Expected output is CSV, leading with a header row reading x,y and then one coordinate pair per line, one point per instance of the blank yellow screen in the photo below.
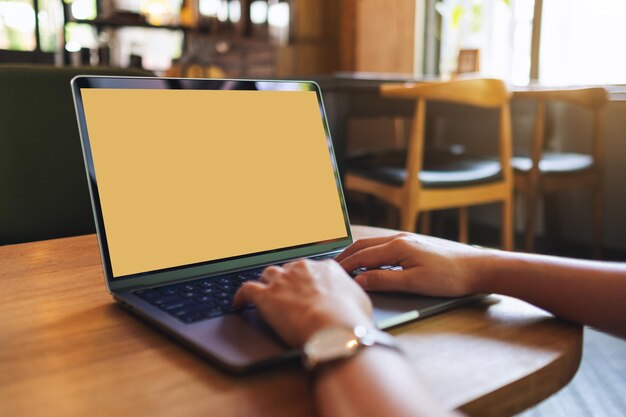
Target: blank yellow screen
x,y
188,176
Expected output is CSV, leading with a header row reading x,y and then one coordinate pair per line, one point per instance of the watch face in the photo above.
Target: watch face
x,y
330,344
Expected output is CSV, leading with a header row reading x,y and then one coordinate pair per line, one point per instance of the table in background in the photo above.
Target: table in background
x,y
356,95
66,349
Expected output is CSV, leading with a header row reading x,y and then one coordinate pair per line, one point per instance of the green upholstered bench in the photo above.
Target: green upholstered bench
x,y
43,186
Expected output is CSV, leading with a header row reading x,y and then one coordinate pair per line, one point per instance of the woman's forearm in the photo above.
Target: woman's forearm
x,y
587,292
376,382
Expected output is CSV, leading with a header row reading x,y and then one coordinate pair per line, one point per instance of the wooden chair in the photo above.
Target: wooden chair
x,y
414,183
545,172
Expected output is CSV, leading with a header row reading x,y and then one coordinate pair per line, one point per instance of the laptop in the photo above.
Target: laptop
x,y
197,185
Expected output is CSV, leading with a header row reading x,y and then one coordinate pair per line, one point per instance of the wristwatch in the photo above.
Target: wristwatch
x,y
341,342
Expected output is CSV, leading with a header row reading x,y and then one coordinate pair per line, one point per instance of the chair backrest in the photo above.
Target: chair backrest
x,y
43,186
477,92
593,99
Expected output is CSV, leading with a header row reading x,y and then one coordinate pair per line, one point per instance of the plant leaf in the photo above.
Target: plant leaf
x,y
457,14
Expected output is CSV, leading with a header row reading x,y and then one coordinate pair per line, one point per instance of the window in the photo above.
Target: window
x,y
37,25
17,25
500,29
582,42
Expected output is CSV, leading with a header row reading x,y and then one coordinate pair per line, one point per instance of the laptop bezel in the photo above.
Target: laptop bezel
x,y
208,268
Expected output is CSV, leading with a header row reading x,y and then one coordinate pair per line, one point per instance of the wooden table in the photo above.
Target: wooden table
x,y
66,349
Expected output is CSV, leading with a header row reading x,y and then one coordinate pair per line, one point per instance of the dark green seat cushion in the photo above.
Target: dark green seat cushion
x,y
441,169
43,186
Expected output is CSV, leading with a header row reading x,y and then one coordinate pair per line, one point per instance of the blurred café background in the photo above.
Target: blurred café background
x,y
523,42
562,62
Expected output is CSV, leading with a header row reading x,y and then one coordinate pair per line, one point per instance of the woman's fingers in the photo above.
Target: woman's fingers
x,y
270,273
365,243
387,280
372,257
249,292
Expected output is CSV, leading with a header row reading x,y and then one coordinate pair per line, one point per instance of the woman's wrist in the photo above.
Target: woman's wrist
x,y
317,320
339,343
485,268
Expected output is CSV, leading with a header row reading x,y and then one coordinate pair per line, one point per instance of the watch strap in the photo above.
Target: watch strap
x,y
363,337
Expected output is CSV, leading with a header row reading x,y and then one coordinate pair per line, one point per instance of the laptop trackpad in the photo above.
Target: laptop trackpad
x,y
240,340
393,309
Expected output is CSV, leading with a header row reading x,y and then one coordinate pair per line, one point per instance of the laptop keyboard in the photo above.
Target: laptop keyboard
x,y
204,298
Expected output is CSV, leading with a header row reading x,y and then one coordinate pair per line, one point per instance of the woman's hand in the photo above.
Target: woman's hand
x,y
304,296
431,266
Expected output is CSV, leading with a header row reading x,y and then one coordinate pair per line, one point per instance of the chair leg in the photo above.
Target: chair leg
x,y
507,224
531,208
598,221
371,209
552,229
463,225
425,223
408,220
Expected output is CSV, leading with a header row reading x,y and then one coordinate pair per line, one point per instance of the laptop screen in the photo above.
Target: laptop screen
x,y
192,176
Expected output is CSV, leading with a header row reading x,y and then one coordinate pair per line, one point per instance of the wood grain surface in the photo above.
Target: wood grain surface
x,y
66,349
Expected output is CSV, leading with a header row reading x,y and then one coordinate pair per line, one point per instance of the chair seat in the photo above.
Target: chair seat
x,y
441,169
555,163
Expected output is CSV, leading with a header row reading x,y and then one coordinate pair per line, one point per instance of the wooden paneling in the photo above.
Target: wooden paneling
x,y
385,36
347,36
313,39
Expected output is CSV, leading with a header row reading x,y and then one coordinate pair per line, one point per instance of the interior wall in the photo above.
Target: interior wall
x,y
313,47
353,35
576,204
347,35
385,36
